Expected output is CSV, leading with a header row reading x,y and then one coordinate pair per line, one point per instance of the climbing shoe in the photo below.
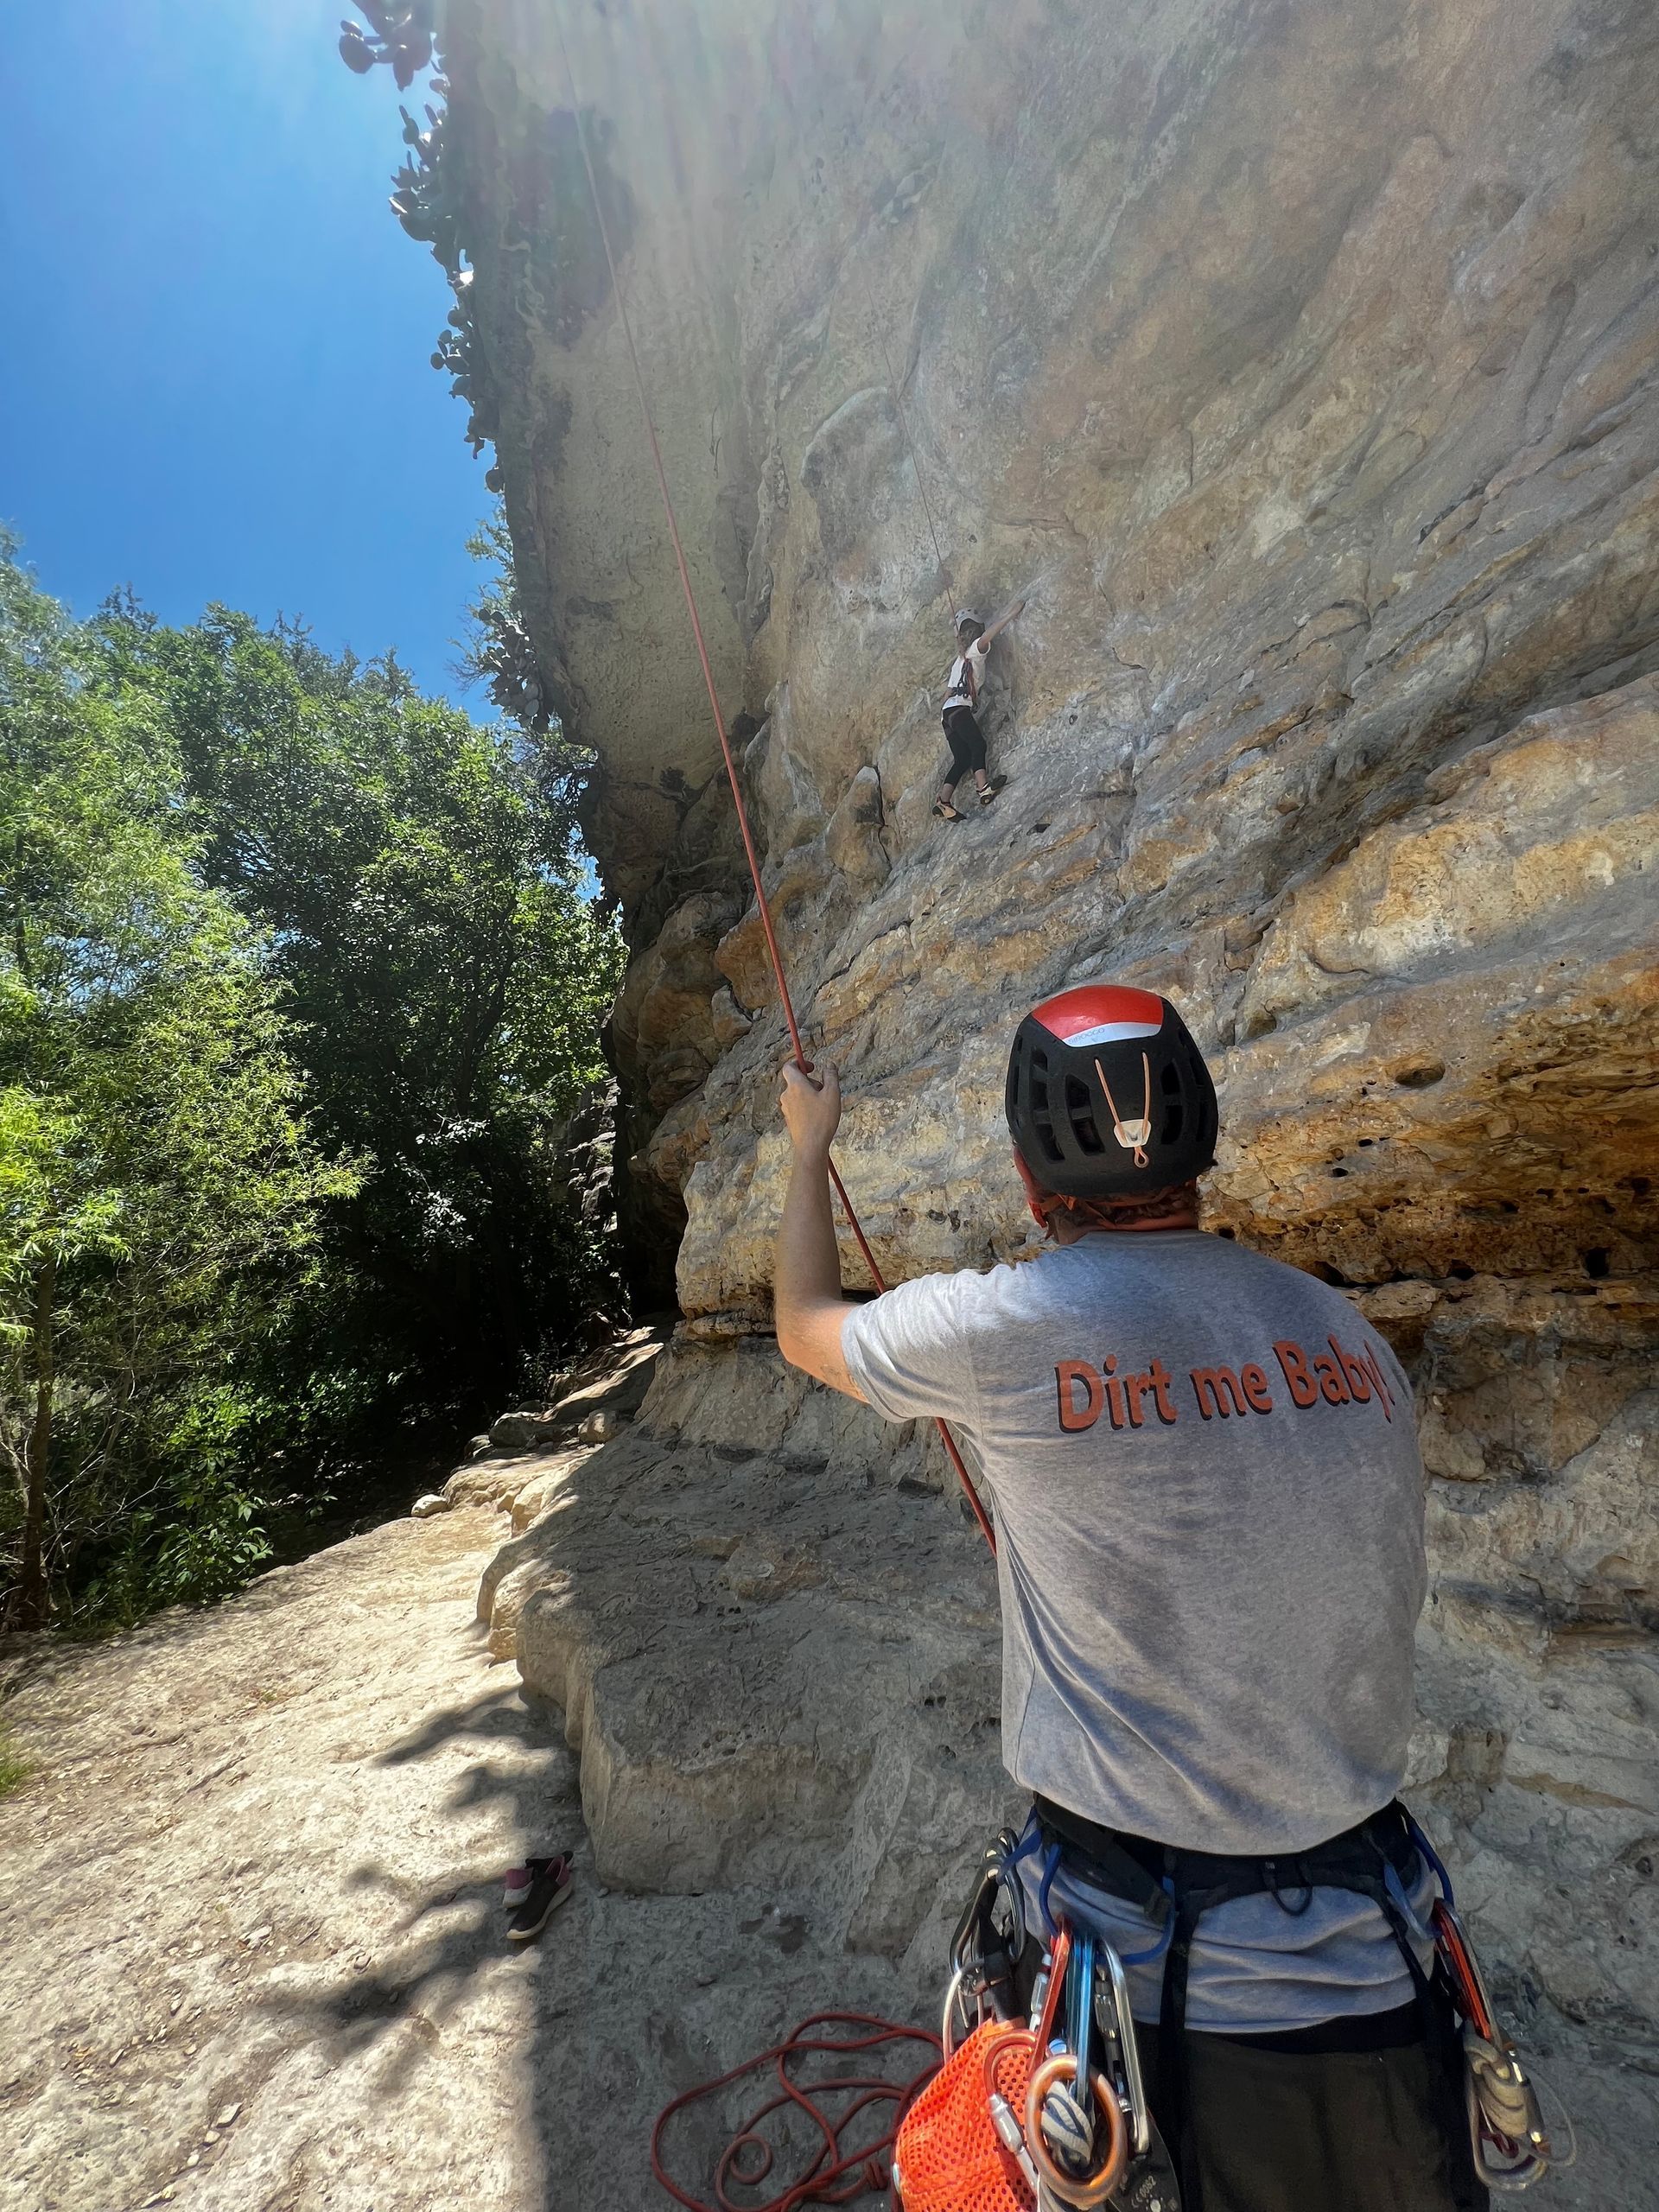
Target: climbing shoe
x,y
991,790
945,811
549,1885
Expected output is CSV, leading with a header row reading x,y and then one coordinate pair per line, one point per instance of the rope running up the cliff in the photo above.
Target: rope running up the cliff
x,y
776,957
915,458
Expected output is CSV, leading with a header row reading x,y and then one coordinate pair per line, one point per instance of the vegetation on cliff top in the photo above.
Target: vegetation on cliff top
x,y
297,988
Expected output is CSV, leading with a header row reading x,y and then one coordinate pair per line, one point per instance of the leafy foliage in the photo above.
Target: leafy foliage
x,y
498,650
297,987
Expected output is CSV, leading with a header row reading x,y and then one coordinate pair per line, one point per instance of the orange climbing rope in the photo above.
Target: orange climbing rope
x,y
776,957
844,2167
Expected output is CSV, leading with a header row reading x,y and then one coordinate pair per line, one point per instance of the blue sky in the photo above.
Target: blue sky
x,y
214,384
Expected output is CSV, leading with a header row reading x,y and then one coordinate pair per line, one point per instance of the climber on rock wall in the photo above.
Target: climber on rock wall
x,y
962,730
1209,1507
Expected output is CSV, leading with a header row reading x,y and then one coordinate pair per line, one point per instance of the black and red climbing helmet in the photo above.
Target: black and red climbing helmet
x,y
1109,1095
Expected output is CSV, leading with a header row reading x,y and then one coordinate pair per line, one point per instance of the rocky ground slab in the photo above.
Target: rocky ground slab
x,y
252,1949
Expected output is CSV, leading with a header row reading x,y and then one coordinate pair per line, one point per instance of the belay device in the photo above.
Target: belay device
x,y
1046,2111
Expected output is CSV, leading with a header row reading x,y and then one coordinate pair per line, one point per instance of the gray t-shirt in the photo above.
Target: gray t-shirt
x,y
1208,1506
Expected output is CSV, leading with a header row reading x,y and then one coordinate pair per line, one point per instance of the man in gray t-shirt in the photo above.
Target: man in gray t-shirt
x,y
1208,1503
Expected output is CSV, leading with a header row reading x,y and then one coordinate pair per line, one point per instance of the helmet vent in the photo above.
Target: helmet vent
x,y
1080,1113
1042,1115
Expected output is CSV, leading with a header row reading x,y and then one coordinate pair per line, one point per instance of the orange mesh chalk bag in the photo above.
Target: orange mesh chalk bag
x,y
952,2154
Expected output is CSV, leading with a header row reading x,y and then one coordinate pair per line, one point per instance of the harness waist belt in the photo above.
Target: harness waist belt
x,y
1135,1868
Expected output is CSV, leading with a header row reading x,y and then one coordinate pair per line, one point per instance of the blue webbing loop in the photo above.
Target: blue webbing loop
x,y
1145,1958
1051,1926
1428,1852
1396,1890
1030,1836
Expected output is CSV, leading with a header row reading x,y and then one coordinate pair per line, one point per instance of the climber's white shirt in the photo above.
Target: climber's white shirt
x,y
956,694
1209,1509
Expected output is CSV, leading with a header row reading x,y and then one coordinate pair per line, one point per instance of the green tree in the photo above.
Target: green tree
x,y
419,877
159,1192
299,988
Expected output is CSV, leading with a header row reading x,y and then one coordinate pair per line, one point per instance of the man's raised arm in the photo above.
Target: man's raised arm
x,y
808,1303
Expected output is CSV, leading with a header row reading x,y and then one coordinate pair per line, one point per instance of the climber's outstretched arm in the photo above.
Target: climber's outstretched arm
x,y
1003,621
808,1303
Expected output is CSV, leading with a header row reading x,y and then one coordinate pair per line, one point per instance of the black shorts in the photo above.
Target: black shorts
x,y
1290,2130
1345,2115
966,740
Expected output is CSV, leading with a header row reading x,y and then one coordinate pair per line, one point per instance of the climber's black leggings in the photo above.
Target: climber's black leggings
x,y
967,743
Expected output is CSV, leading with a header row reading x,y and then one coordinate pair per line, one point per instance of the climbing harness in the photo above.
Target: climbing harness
x,y
1481,2080
963,686
801,1061
844,2166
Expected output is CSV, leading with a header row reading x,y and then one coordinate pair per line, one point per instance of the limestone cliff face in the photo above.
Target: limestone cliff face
x,y
1300,365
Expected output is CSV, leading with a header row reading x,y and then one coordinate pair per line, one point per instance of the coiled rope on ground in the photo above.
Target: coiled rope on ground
x,y
843,2169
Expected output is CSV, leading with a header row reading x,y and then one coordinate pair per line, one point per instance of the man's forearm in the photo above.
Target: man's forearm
x,y
807,1265
807,1306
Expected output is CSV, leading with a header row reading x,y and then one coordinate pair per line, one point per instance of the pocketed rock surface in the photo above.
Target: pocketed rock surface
x,y
1300,366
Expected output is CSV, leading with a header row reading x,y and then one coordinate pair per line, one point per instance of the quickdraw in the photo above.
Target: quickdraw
x,y
1512,2144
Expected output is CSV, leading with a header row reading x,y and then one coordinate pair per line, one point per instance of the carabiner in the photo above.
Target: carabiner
x,y
1507,2132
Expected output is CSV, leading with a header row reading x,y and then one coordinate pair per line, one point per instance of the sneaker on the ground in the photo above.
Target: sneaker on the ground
x,y
549,1887
519,1878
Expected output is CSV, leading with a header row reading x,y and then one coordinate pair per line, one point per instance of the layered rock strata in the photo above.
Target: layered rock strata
x,y
1300,367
